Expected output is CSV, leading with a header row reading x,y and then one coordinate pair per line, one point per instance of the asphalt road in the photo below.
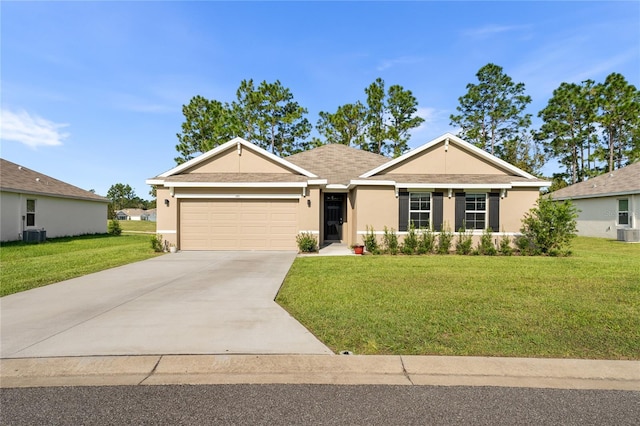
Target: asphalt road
x,y
316,404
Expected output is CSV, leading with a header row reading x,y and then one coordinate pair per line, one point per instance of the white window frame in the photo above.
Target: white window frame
x,y
622,211
30,213
475,212
420,211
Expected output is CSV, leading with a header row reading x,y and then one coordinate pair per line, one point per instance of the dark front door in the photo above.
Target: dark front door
x,y
333,216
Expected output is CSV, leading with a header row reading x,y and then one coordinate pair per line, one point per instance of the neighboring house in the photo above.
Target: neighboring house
x,y
32,201
136,214
240,197
609,204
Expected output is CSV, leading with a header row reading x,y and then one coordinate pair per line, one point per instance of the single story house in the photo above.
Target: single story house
x,y
31,201
136,214
609,204
240,197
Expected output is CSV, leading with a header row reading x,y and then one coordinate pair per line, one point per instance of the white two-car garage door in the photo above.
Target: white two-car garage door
x,y
231,224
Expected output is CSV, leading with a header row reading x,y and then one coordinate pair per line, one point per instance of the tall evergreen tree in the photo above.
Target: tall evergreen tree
x,y
346,126
492,117
207,124
568,128
402,107
619,117
376,129
267,116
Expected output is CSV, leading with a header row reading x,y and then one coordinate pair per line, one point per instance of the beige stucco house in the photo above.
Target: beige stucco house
x,y
609,204
241,197
32,201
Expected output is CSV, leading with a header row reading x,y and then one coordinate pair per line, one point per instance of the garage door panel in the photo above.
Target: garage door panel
x,y
238,224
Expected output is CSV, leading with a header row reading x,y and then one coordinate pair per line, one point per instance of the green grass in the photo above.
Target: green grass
x,y
583,306
136,226
26,266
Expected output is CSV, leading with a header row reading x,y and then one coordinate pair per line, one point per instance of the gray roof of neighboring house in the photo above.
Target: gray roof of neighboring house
x,y
137,212
337,163
19,179
625,180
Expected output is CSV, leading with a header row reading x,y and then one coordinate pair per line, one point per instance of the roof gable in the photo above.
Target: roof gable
x,y
625,180
16,178
489,164
228,158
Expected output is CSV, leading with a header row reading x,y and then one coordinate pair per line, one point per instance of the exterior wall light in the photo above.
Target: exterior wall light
x,y
166,202
308,203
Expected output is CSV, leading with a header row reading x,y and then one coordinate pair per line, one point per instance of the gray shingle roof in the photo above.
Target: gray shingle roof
x,y
625,180
337,163
16,178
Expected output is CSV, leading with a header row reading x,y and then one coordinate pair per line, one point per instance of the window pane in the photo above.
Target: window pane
x,y
623,218
31,219
623,205
31,206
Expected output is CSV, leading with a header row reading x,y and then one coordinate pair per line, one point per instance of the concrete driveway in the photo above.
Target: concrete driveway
x,y
183,303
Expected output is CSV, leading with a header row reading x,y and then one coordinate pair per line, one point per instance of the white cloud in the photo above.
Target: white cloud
x,y
404,60
489,30
31,130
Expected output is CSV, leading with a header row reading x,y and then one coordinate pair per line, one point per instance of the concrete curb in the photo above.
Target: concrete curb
x,y
319,369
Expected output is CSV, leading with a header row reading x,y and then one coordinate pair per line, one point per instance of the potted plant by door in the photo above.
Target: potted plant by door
x,y
358,249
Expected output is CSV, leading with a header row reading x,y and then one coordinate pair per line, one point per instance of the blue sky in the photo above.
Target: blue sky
x,y
92,92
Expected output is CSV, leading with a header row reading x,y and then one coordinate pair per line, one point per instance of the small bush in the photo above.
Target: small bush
x,y
371,241
307,242
464,242
113,227
505,246
390,241
426,241
410,243
486,246
445,238
156,243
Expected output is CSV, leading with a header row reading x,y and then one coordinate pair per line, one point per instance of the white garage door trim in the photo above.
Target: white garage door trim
x,y
238,224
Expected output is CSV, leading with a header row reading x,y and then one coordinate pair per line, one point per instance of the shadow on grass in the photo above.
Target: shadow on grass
x,y
59,240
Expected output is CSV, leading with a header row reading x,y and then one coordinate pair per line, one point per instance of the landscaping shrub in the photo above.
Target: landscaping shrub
x,y
464,242
156,243
504,247
390,241
371,241
445,238
307,242
113,227
410,243
486,246
549,227
426,242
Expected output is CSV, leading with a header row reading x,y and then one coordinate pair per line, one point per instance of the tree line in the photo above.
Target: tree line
x,y
589,127
122,196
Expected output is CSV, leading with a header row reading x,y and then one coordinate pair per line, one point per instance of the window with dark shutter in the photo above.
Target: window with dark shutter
x,y
494,211
403,211
460,209
437,213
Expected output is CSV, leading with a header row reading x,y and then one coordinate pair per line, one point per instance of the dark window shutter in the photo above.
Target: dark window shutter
x,y
436,211
403,211
460,208
494,211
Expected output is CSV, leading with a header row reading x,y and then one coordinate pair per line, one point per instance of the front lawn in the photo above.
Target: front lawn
x,y
583,306
26,266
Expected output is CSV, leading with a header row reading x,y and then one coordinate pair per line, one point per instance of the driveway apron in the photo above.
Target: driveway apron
x,y
183,303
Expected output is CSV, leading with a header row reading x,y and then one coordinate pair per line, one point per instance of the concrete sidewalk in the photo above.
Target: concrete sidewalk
x,y
320,369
